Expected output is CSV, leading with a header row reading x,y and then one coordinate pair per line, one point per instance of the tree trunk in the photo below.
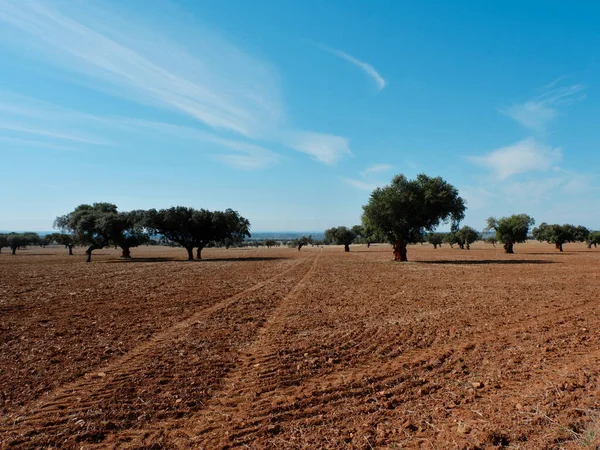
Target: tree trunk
x,y
462,246
468,246
559,246
368,244
199,252
13,250
70,247
346,247
126,252
400,251
435,245
508,247
190,251
300,246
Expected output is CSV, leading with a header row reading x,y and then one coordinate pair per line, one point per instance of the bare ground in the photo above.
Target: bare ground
x,y
275,348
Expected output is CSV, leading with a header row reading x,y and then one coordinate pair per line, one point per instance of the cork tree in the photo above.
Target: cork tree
x,y
407,209
435,239
510,230
91,225
341,236
560,234
466,236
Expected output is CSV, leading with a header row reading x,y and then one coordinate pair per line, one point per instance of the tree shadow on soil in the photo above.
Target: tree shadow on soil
x,y
488,261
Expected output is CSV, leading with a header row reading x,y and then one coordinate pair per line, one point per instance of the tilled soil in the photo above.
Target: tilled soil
x,y
275,348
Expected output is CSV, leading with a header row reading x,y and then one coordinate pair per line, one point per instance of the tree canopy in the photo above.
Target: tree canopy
x,y
435,239
593,239
68,240
193,228
342,236
511,230
466,236
406,209
560,234
18,240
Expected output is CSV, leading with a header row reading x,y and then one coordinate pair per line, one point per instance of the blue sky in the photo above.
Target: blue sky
x,y
293,112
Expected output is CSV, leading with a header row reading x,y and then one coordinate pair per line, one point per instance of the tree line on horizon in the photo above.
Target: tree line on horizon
x,y
404,212
101,225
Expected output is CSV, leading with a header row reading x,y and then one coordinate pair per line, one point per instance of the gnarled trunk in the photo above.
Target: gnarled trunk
x,y
559,246
468,246
508,247
346,247
13,250
190,251
400,251
89,251
199,252
435,245
300,246
70,247
126,252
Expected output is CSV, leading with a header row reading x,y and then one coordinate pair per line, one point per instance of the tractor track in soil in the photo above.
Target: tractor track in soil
x,y
351,351
254,358
67,402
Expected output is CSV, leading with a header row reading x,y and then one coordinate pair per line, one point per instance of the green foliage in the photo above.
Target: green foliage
x,y
96,226
18,240
560,234
193,228
342,236
68,240
511,230
593,239
405,210
435,239
466,236
490,240
304,240
271,243
451,239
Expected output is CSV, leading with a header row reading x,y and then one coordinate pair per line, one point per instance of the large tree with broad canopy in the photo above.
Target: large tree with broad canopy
x,y
406,209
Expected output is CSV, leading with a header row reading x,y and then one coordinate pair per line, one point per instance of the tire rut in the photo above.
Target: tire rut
x,y
257,373
48,415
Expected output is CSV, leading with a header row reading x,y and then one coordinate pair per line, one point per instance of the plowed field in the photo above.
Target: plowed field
x,y
275,348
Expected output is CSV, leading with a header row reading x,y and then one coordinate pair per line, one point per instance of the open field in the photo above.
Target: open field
x,y
275,348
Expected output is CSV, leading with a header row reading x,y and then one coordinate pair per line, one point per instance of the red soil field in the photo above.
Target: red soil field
x,y
275,348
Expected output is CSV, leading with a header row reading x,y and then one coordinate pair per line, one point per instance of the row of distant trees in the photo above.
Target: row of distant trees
x,y
101,225
507,230
409,211
405,212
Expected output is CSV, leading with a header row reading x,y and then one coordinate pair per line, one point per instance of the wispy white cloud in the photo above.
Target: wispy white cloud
x,y
245,156
365,67
325,148
538,112
360,184
375,168
524,156
211,81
